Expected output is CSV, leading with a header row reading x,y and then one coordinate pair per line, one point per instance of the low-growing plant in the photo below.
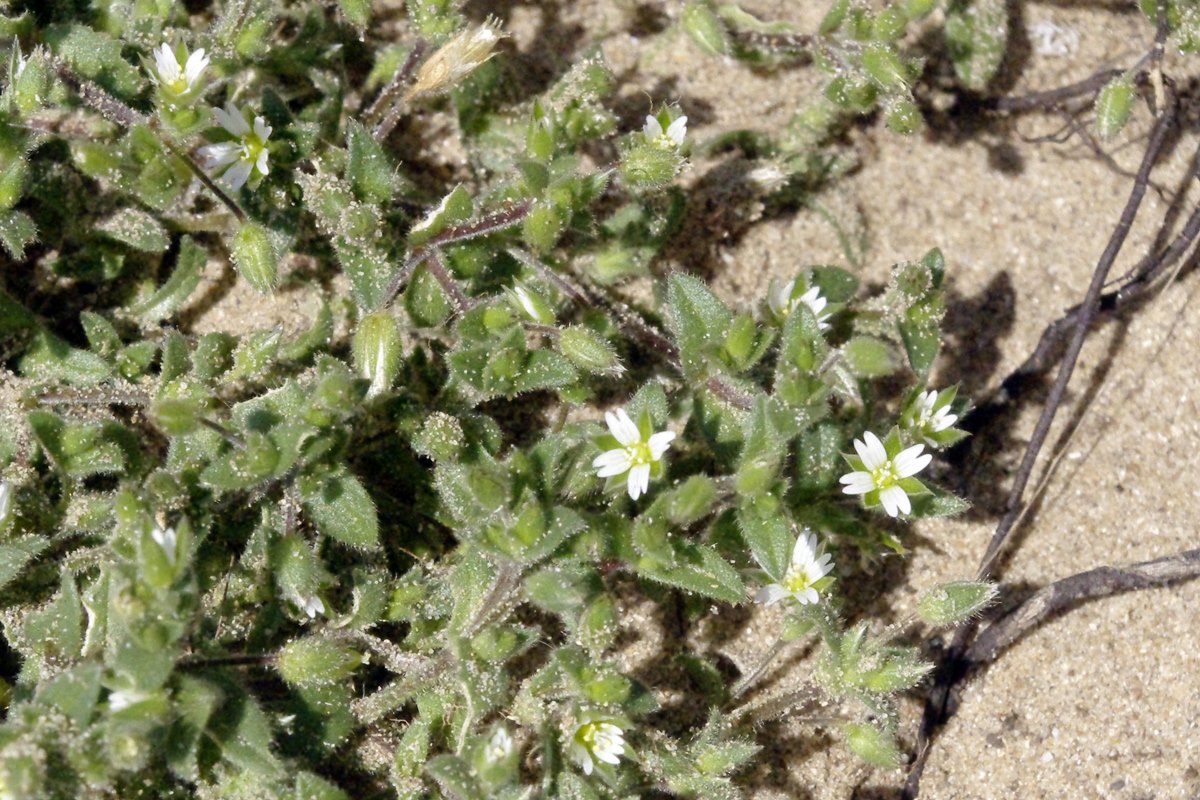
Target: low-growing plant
x,y
388,553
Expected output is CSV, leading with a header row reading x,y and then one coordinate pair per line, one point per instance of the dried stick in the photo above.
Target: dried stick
x,y
1090,308
953,666
1095,583
391,97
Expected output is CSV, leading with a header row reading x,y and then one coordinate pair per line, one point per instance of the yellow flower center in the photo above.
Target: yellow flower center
x,y
639,453
252,147
796,581
884,476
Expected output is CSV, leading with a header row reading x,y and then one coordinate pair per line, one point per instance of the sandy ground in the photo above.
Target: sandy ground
x,y
1101,702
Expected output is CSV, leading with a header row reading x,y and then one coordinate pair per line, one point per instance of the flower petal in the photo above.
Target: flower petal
x,y
218,155
622,427
805,549
677,130
236,176
871,451
639,480
910,462
895,501
659,442
612,462
857,482
653,128
231,120
261,129
770,594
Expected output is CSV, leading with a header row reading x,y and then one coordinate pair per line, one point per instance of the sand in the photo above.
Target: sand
x,y
1100,702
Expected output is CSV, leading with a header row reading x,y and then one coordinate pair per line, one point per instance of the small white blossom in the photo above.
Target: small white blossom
x,y
809,564
166,540
881,475
926,420
636,455
235,162
499,747
6,494
782,303
178,82
671,138
312,606
596,739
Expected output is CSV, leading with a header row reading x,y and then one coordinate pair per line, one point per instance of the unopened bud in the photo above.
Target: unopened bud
x,y
955,602
1113,106
588,350
316,660
377,351
254,257
705,28
531,305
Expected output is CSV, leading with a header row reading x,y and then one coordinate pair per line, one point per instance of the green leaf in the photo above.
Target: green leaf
x,y
16,553
698,320
17,231
178,287
768,535
49,358
74,692
136,229
700,569
453,777
869,357
341,509
977,35
955,602
368,169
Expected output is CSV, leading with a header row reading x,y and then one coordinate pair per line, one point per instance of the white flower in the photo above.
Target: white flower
x,y
635,455
175,81
236,161
809,565
499,747
926,420
312,606
166,540
671,138
596,739
781,302
881,475
6,494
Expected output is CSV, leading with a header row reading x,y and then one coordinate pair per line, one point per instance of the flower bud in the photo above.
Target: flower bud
x,y
316,660
6,498
254,257
705,28
377,351
650,167
1113,106
955,602
871,745
588,350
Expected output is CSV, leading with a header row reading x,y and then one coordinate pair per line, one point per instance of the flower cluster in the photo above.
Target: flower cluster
x,y
242,160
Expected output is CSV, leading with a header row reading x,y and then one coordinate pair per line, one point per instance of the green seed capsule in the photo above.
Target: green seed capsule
x,y
705,28
254,257
1113,106
377,351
